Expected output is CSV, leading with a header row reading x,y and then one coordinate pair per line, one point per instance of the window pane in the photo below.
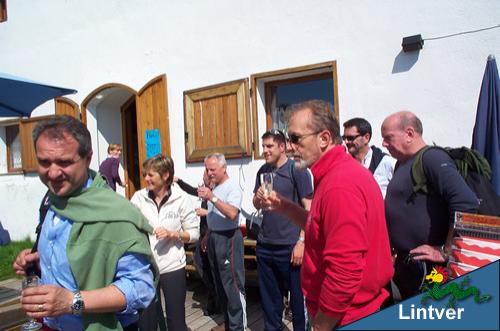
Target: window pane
x,y
14,147
287,93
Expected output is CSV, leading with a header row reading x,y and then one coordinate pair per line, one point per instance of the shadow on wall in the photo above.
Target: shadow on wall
x,y
405,61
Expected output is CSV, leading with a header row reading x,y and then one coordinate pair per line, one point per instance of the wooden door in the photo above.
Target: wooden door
x,y
152,118
130,148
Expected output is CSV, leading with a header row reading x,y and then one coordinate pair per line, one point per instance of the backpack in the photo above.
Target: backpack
x,y
377,157
475,170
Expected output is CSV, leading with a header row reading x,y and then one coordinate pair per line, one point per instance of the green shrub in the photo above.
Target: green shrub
x,y
8,254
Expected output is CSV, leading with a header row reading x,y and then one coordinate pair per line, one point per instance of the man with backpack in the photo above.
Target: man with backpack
x,y
280,243
420,223
357,136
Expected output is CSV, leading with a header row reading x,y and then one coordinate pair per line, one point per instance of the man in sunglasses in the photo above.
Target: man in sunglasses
x,y
347,259
280,243
357,136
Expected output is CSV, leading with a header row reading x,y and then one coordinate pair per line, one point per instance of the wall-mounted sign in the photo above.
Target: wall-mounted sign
x,y
153,144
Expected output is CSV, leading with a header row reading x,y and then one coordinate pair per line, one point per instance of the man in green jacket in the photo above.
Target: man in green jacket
x,y
96,265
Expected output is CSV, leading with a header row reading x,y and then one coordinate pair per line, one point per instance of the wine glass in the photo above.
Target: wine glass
x,y
32,324
200,185
266,182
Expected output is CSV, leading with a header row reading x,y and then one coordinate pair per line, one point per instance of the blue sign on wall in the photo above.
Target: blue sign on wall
x,y
153,144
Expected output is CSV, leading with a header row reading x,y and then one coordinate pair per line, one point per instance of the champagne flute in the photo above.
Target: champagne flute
x,y
32,324
266,182
200,185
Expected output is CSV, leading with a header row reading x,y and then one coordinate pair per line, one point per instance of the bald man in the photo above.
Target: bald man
x,y
420,224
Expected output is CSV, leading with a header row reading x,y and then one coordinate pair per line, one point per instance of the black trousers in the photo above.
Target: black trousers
x,y
173,285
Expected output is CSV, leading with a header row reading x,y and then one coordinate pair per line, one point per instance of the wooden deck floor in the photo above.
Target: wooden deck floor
x,y
196,298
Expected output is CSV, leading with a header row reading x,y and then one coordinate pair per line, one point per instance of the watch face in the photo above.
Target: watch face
x,y
78,305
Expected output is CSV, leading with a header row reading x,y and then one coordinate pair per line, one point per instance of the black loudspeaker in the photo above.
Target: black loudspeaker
x,y
412,43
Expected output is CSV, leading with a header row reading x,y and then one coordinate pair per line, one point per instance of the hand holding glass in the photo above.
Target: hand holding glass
x,y
32,324
200,185
266,183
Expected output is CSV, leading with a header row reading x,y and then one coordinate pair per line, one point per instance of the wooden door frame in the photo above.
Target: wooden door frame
x,y
126,147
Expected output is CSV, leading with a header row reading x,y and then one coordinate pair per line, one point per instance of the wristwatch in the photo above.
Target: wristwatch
x,y
301,239
214,199
78,305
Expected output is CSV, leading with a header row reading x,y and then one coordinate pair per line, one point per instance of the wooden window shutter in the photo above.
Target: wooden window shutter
x,y
26,126
65,106
3,10
217,120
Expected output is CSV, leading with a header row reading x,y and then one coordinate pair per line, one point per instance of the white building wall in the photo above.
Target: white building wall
x,y
85,44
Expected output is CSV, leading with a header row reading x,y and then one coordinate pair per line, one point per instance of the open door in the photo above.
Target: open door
x,y
153,134
130,147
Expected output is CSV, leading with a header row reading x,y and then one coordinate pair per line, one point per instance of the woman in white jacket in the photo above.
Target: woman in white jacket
x,y
172,215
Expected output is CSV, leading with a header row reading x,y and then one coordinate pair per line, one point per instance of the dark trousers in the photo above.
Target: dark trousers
x,y
173,285
276,275
202,264
225,252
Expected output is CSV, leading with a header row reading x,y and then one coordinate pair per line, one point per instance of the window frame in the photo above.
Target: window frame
x,y
8,144
261,81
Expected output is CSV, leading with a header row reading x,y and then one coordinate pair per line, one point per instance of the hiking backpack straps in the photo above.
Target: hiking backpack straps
x,y
32,269
377,157
473,168
291,174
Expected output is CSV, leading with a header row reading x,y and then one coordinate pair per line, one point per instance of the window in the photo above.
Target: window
x,y
3,10
280,95
13,142
20,151
274,92
217,120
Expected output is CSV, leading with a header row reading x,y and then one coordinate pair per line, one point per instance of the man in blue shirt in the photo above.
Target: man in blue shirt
x,y
94,258
224,242
280,243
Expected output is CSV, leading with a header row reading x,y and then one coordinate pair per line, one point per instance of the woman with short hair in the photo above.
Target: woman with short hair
x,y
170,212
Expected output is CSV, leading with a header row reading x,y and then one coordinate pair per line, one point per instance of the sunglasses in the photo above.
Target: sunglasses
x,y
350,138
275,132
296,138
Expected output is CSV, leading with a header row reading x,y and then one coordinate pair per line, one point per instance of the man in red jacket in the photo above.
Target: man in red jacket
x,y
347,259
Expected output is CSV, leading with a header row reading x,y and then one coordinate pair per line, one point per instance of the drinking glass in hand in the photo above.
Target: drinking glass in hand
x,y
266,182
200,185
32,324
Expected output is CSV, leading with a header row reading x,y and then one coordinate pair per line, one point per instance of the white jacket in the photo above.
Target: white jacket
x,y
175,215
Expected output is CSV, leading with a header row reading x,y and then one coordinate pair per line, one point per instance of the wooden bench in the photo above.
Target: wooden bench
x,y
249,258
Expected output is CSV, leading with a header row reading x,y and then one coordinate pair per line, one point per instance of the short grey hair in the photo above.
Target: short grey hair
x,y
221,159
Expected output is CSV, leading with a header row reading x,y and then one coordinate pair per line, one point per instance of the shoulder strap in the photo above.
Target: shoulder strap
x,y
44,208
291,174
377,156
417,171
42,211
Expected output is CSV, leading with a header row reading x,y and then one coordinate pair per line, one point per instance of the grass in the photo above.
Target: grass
x,y
8,254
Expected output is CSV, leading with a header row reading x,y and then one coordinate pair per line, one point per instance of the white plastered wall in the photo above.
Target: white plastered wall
x,y
85,44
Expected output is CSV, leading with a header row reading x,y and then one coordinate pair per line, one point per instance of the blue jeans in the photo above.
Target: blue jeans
x,y
276,275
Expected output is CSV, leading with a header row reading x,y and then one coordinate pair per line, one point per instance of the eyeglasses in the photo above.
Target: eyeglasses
x,y
275,132
296,138
350,138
